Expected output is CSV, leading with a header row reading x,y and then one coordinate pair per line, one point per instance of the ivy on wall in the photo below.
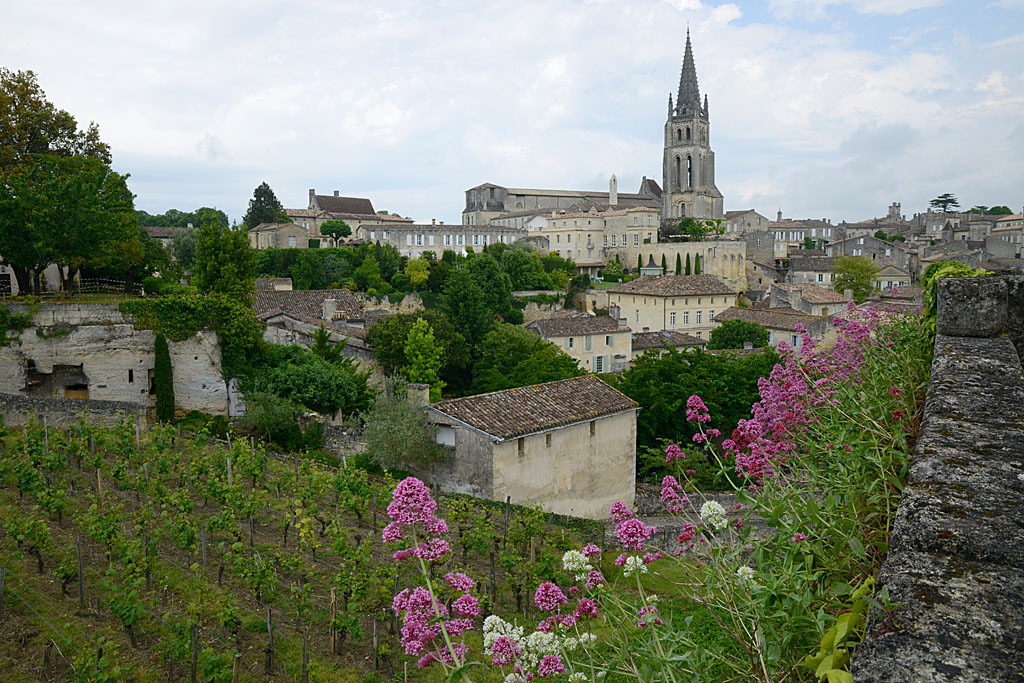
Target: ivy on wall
x,y
180,317
12,322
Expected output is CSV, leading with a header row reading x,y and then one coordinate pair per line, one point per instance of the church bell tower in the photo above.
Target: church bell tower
x,y
688,165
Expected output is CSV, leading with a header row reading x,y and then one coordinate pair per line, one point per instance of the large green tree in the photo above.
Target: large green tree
x,y
512,356
397,433
944,202
732,334
335,228
424,356
225,262
388,338
183,246
856,273
264,207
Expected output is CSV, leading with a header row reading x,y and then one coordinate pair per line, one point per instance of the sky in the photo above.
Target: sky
x,y
821,108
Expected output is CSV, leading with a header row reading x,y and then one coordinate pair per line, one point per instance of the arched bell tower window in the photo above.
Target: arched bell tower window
x,y
688,135
689,171
678,176
679,134
682,210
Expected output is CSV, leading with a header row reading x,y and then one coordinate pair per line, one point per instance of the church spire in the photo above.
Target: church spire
x,y
688,100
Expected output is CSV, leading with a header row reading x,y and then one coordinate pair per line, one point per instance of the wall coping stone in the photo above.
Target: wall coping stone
x,y
956,554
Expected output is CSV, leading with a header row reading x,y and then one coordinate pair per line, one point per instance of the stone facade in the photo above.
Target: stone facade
x,y
412,240
279,236
593,238
681,303
569,446
725,259
92,351
596,343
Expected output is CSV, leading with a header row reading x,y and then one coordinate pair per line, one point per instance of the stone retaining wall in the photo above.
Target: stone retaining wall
x,y
955,566
64,412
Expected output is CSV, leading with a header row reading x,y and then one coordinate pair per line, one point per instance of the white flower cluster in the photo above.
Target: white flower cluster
x,y
533,646
634,564
580,677
585,639
576,562
713,514
744,574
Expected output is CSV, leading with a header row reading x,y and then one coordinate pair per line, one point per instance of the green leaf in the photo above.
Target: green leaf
x,y
856,546
838,676
461,671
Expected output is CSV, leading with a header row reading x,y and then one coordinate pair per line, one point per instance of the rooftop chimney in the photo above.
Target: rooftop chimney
x,y
613,191
433,221
312,198
335,193
418,395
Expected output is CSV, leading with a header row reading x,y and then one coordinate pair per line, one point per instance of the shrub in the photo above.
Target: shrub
x,y
163,379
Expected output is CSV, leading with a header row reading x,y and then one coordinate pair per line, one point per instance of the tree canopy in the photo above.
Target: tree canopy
x,y
388,339
264,207
732,334
335,228
944,202
224,262
172,218
856,273
512,356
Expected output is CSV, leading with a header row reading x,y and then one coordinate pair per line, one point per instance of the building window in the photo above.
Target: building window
x,y
608,340
569,343
408,240
711,316
821,277
522,446
598,367
686,317
638,316
613,241
547,440
447,240
291,242
568,238
636,239
698,317
586,342
593,425
672,318
131,376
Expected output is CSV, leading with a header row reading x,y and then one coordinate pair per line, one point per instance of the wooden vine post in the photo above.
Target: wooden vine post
x,y
81,573
3,578
270,642
195,652
333,622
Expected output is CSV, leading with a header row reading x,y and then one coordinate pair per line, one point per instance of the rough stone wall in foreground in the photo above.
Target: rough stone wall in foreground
x,y
956,555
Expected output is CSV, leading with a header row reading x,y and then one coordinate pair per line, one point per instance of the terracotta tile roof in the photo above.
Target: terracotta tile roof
x,y
357,205
512,413
308,303
775,318
675,285
657,340
606,212
813,293
812,264
160,231
576,326
306,213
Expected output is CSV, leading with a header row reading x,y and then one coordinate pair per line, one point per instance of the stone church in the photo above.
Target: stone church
x,y
688,164
688,173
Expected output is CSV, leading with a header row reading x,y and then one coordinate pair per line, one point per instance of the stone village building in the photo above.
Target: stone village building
x,y
567,445
683,303
596,343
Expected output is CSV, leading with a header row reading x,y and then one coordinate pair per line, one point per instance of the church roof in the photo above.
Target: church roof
x,y
688,99
353,205
675,285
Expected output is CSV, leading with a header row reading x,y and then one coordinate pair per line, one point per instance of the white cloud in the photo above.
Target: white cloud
x,y
817,8
994,83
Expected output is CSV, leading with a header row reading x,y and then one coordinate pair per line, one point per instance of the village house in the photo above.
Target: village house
x,y
413,239
596,343
279,236
891,276
161,233
881,252
742,222
327,305
683,303
780,323
357,212
808,298
812,269
791,235
568,446
591,238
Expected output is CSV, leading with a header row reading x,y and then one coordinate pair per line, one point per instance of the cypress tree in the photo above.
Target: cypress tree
x,y
696,264
688,269
164,380
664,264
679,264
639,262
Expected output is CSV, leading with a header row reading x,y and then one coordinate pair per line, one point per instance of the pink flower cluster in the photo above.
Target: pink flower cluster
x,y
672,494
411,504
696,411
649,613
633,533
805,379
550,598
423,617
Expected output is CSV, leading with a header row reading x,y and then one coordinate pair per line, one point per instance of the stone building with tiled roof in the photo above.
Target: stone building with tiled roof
x,y
596,343
807,298
780,323
357,212
317,304
656,342
568,445
682,303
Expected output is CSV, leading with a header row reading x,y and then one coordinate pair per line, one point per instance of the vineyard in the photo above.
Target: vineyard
x,y
128,555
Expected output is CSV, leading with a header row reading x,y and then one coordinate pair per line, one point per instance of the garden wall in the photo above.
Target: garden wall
x,y
64,412
956,557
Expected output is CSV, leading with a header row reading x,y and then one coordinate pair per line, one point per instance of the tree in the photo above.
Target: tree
x,y
880,235
856,273
30,125
324,347
494,284
183,246
418,271
466,306
225,262
679,264
639,262
388,337
264,208
732,334
335,228
999,211
689,270
696,264
664,264
367,275
424,357
944,202
398,433
512,356
163,380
